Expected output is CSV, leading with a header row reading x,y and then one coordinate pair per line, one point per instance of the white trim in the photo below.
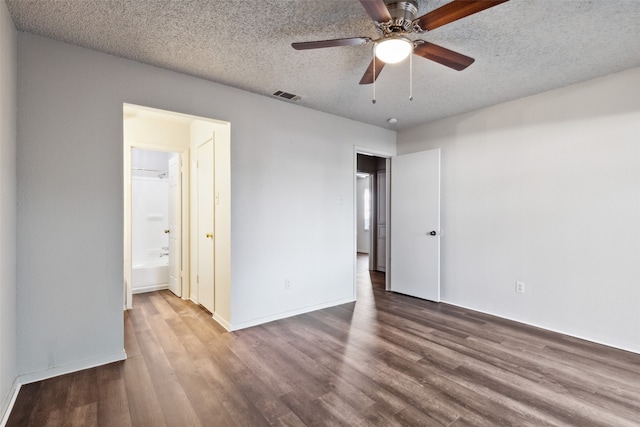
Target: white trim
x,y
635,351
378,153
222,321
72,367
150,288
354,249
7,406
284,315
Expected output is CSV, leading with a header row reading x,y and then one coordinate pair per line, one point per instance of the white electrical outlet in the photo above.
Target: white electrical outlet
x,y
287,284
520,287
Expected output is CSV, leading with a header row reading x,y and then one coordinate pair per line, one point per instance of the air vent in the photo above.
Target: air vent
x,y
286,95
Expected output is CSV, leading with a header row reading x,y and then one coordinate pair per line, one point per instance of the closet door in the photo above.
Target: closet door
x,y
206,257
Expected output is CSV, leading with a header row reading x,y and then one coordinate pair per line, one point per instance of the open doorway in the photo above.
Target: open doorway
x,y
162,151
372,210
363,214
156,221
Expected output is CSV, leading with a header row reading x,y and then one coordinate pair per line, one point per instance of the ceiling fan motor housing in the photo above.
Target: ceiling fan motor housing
x,y
402,15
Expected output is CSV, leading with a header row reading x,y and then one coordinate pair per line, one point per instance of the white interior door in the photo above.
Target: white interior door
x,y
206,226
175,225
415,224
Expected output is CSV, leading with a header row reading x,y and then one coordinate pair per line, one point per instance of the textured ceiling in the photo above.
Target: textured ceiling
x,y
521,47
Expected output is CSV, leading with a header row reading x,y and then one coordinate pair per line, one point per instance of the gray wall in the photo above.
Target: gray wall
x,y
8,64
545,190
292,199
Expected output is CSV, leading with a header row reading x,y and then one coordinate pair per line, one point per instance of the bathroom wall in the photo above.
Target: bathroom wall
x,y
149,207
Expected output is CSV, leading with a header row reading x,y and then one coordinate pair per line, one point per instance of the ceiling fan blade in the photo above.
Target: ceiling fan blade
x,y
376,9
352,41
368,77
453,11
443,56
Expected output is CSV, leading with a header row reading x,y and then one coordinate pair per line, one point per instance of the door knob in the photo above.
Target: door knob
x,y
167,231
433,233
209,236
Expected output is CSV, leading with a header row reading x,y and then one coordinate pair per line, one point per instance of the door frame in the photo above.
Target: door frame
x,y
387,156
183,152
179,222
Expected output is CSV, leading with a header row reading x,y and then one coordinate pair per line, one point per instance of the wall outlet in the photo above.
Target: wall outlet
x,y
520,287
287,284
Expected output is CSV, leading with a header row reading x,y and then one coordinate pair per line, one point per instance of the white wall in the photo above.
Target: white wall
x,y
149,219
291,207
8,76
149,206
545,190
364,236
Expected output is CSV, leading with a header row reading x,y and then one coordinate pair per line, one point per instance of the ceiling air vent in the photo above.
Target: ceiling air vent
x,y
286,95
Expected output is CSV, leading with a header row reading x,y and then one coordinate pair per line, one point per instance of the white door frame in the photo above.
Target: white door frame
x,y
183,152
175,211
385,155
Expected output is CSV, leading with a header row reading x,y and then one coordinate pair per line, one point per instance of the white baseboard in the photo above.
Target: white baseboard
x,y
222,321
151,288
546,328
5,410
7,405
267,319
72,367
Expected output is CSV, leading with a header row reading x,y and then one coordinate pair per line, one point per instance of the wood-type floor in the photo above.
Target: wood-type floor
x,y
386,360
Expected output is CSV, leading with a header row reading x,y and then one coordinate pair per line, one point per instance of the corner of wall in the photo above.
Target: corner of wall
x,y
8,205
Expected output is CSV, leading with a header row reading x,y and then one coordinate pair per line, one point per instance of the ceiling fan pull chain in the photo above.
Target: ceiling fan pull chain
x,y
410,77
373,101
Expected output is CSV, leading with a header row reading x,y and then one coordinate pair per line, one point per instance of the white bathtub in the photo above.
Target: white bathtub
x,y
151,276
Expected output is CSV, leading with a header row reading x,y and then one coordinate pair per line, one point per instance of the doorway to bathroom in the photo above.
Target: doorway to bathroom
x,y
156,221
156,201
177,207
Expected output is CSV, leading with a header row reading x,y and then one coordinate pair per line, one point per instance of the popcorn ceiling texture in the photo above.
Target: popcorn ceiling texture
x,y
521,48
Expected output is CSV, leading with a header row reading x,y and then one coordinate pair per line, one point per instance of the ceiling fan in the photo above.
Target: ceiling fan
x,y
395,20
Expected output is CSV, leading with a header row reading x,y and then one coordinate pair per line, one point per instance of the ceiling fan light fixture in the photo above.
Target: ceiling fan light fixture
x,y
393,50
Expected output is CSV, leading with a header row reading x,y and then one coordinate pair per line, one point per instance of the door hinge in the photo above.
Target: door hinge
x,y
198,279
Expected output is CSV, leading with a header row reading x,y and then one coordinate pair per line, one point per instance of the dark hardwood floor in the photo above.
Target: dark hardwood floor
x,y
386,360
